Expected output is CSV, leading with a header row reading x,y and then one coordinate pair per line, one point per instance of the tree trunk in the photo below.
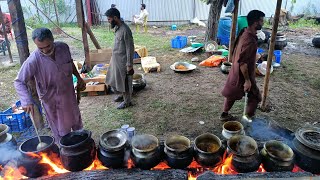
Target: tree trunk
x,y
213,20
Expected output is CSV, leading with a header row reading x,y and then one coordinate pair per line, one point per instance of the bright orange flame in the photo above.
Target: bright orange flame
x,y
161,166
225,167
261,169
130,163
11,174
56,168
194,165
297,169
96,165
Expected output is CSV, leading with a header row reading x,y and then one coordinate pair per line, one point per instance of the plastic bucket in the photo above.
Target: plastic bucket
x,y
173,27
277,55
242,22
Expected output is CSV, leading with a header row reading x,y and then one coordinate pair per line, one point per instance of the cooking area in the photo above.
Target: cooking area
x,y
270,152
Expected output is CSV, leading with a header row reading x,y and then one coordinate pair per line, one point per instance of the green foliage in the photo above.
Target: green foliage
x,y
301,23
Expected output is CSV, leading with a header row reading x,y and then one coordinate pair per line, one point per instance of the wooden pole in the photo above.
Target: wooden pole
x,y
233,29
270,54
92,37
19,28
81,22
56,11
89,15
36,3
5,35
21,37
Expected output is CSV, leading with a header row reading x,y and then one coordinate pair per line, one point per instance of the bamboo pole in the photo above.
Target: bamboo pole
x,y
233,29
270,54
5,35
81,22
89,15
92,37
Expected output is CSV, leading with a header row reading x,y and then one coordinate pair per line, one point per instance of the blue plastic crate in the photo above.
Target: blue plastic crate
x,y
18,122
136,55
179,42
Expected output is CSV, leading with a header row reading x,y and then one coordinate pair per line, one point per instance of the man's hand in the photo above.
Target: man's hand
x,y
28,108
130,70
81,85
247,86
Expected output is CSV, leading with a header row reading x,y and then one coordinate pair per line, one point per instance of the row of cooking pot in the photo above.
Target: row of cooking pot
x,y
208,151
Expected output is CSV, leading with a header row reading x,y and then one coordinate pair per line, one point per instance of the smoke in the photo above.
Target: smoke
x,y
143,142
8,152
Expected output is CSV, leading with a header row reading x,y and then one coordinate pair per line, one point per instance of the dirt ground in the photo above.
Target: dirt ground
x,y
174,103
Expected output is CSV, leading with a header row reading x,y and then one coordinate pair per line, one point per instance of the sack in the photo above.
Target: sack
x,y
213,61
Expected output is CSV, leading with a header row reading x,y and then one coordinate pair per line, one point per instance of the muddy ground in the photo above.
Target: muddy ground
x,y
174,103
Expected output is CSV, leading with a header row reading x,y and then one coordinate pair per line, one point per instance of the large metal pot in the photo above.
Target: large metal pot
x,y
306,148
208,150
178,152
280,42
138,82
29,161
145,152
112,146
225,67
77,150
232,128
277,156
245,153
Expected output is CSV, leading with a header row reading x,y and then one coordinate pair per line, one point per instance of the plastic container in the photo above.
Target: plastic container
x,y
242,22
277,55
224,29
136,55
225,52
125,127
179,42
173,27
131,131
259,50
18,122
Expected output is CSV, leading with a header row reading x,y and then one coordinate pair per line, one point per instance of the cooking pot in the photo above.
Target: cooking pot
x,y
306,148
245,154
178,152
112,146
29,161
225,67
277,156
232,128
208,150
145,152
77,150
138,82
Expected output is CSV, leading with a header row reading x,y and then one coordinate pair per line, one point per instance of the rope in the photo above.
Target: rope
x,y
54,22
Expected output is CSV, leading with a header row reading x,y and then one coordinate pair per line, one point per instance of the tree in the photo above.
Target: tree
x,y
213,19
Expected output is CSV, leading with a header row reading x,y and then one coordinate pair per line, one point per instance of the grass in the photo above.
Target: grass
x,y
302,23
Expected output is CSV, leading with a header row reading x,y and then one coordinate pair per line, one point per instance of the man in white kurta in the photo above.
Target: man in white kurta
x,y
139,19
119,75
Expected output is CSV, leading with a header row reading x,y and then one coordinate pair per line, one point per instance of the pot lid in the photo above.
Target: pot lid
x,y
309,136
211,46
113,140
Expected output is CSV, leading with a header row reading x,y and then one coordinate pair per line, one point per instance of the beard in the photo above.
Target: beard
x,y
49,53
113,24
259,27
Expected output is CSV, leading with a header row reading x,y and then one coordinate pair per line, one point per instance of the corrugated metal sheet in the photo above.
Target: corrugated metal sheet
x,y
167,12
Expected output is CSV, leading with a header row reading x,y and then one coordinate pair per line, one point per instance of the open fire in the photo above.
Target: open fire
x,y
194,169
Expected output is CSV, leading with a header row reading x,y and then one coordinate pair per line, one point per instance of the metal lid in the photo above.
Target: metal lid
x,y
309,136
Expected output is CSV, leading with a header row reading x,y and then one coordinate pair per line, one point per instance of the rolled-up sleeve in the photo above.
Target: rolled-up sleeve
x,y
25,74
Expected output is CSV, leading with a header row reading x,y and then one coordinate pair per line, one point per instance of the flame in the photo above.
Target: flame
x,y
11,174
54,162
194,165
161,166
96,165
191,176
261,169
130,163
225,167
297,169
